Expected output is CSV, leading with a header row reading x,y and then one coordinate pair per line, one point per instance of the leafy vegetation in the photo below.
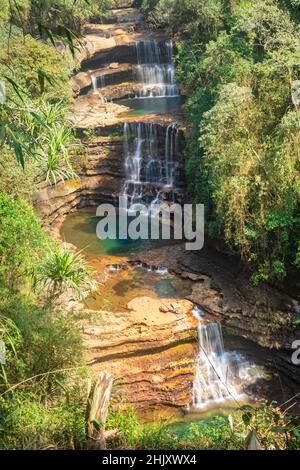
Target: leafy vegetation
x,y
21,239
61,271
239,62
42,382
262,428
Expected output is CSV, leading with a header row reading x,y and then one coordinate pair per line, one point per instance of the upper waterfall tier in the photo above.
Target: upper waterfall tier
x,y
156,70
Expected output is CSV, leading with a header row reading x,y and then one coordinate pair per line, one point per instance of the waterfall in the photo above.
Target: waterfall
x,y
162,270
171,149
220,375
95,84
95,79
149,171
156,70
197,312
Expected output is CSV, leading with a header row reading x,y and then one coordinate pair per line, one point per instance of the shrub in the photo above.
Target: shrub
x,y
42,392
22,240
27,423
269,426
17,182
29,56
63,270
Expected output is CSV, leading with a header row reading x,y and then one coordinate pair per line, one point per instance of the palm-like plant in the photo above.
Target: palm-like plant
x,y
10,338
52,113
60,142
38,131
62,271
54,140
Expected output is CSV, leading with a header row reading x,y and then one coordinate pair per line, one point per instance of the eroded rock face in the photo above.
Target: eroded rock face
x,y
112,75
261,314
91,112
150,353
103,157
100,172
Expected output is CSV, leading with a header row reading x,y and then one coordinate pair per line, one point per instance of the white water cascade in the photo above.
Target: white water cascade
x,y
156,70
220,376
150,153
95,79
171,149
95,84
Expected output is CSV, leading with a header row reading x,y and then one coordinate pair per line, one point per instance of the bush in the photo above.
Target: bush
x,y
62,270
44,341
29,56
22,240
269,426
28,424
17,182
43,392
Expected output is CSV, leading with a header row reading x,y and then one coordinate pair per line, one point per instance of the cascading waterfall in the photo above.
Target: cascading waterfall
x,y
95,84
148,172
171,149
156,70
95,79
220,375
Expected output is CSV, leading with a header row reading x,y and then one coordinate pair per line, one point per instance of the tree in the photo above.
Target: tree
x,y
242,157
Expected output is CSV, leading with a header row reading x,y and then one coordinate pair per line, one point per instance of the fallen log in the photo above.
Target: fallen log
x,y
97,410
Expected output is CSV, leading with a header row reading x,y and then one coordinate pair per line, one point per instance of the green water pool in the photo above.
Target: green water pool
x,y
144,106
79,229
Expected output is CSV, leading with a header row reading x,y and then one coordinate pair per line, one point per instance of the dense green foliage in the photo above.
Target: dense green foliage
x,y
21,238
53,14
239,63
35,65
42,393
43,381
265,427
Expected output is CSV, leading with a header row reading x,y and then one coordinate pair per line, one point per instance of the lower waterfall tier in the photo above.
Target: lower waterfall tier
x,y
153,169
220,375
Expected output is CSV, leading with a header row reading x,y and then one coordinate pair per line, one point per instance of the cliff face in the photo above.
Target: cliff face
x,y
263,314
100,179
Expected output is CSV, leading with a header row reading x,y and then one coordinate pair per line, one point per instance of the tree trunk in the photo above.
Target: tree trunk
x,y
97,410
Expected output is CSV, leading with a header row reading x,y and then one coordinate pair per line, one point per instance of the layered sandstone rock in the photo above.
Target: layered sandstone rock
x,y
151,354
100,179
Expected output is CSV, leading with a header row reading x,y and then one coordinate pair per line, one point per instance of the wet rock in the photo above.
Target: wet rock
x,y
193,276
114,65
164,309
261,313
53,204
